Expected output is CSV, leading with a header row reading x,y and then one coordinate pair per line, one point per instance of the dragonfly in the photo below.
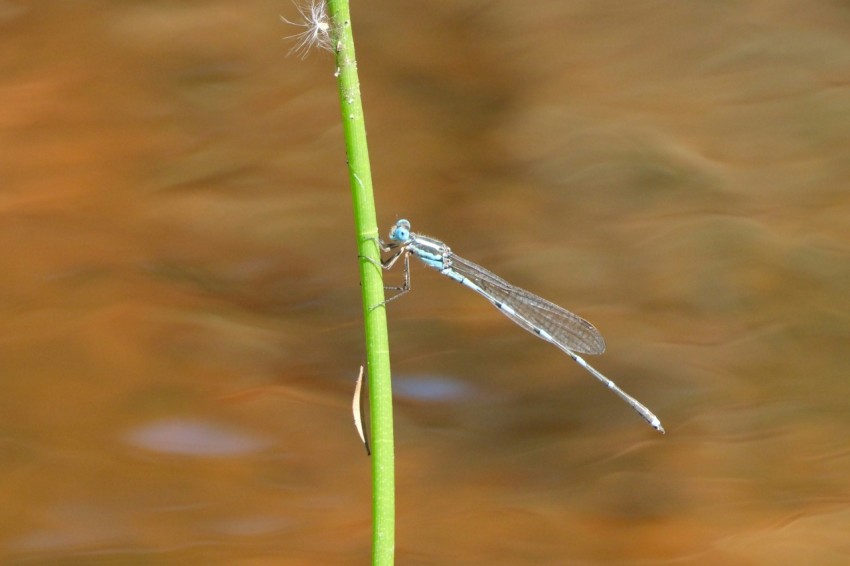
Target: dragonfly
x,y
567,331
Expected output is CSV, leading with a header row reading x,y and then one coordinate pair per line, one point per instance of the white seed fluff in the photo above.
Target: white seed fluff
x,y
317,29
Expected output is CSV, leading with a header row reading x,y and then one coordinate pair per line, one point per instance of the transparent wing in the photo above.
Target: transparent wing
x,y
531,312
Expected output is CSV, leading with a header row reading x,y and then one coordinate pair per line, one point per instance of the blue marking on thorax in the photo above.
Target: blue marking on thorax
x,y
429,259
431,252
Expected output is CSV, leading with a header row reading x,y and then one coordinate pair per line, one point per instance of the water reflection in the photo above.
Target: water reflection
x,y
430,388
194,438
181,311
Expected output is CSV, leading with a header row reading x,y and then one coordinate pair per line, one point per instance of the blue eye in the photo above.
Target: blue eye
x,y
401,231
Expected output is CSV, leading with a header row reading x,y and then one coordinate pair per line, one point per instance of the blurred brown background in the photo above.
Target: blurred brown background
x,y
180,307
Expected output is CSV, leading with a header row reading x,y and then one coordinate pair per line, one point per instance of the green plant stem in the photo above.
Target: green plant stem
x,y
377,342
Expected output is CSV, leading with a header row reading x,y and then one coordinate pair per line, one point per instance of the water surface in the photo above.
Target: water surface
x,y
180,309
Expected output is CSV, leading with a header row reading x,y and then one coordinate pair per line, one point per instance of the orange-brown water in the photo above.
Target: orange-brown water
x,y
180,308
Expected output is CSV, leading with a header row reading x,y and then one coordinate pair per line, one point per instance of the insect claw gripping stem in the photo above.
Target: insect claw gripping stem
x,y
387,265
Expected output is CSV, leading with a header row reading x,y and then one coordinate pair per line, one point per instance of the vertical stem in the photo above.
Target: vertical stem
x,y
377,343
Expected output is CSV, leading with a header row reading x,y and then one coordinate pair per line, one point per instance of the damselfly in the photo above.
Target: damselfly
x,y
546,320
